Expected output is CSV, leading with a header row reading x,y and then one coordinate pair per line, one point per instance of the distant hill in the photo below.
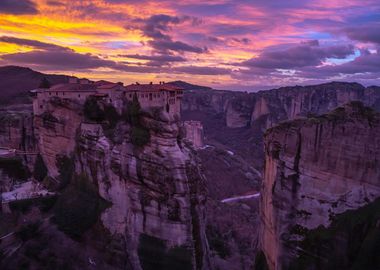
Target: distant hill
x,y
15,82
189,86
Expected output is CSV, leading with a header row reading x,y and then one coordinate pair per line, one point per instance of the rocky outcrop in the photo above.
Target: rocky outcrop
x,y
56,130
315,169
17,132
266,108
156,191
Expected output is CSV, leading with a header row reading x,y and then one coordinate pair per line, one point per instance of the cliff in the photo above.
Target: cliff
x,y
238,120
155,191
316,169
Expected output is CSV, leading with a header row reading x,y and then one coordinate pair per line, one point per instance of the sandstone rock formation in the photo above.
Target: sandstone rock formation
x,y
156,191
315,169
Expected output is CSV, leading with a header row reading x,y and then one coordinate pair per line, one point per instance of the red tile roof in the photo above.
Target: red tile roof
x,y
73,87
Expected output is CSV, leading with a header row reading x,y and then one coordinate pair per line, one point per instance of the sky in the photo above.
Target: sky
x,y
226,44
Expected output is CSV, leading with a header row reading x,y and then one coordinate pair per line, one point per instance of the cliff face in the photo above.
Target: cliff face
x,y
266,108
315,169
17,132
156,191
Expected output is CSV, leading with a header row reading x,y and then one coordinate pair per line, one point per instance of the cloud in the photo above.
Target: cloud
x,y
298,56
70,60
161,58
201,70
157,26
32,43
164,45
55,3
366,63
367,33
61,60
18,7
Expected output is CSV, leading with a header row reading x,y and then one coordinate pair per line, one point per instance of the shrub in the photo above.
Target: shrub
x,y
43,203
28,231
260,261
14,168
154,255
217,242
92,110
111,115
40,171
66,168
78,208
139,136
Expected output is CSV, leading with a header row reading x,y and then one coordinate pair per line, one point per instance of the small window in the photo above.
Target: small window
x,y
49,93
56,93
78,95
111,100
41,106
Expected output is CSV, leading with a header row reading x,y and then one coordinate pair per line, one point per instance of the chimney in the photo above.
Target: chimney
x,y
151,83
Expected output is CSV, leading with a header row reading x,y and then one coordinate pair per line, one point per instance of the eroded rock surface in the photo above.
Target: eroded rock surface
x,y
156,191
315,169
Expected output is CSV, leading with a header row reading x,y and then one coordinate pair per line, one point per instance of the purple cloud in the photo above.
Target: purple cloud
x,y
367,33
366,63
32,43
298,56
161,58
18,7
157,26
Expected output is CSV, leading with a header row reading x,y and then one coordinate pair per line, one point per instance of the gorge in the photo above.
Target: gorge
x,y
156,201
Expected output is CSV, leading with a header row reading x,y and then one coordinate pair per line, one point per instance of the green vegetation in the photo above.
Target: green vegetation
x,y
92,110
217,242
40,171
351,242
66,169
260,261
28,231
14,168
43,203
154,255
79,207
140,135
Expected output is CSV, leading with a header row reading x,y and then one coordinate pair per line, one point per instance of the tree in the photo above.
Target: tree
x,y
45,83
40,171
92,110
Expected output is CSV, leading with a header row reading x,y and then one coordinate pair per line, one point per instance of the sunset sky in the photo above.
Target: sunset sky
x,y
226,44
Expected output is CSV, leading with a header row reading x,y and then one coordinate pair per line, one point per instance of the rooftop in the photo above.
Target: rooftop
x,y
73,87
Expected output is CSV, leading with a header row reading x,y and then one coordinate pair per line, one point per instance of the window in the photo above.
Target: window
x,y
49,93
111,100
41,106
78,95
56,93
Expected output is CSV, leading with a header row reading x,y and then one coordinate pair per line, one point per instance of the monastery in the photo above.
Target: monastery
x,y
149,95
162,95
